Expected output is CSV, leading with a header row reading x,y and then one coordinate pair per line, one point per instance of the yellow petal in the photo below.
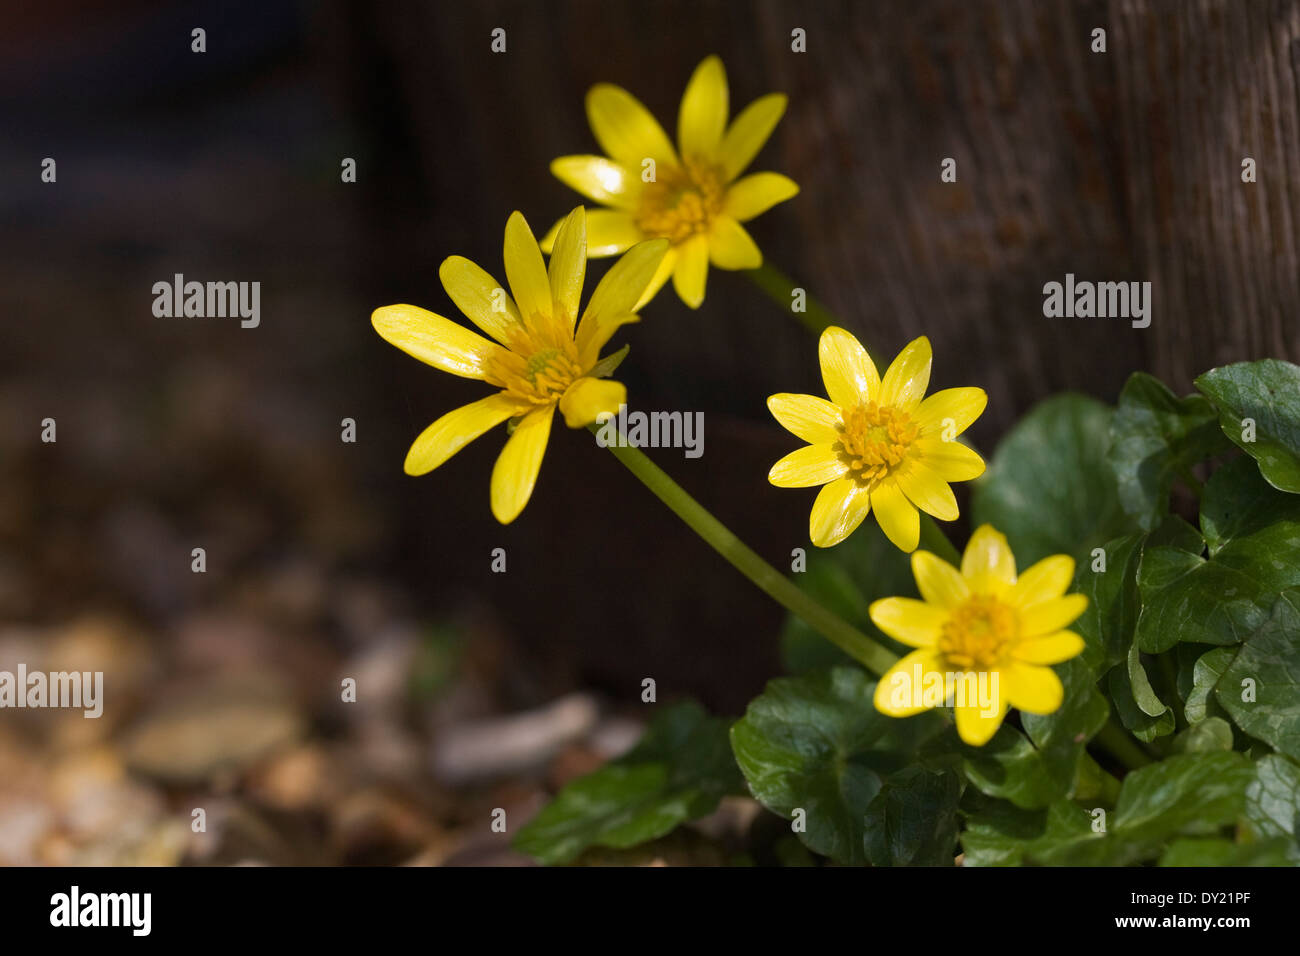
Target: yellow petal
x,y
588,397
568,265
809,466
1049,578
662,275
1032,688
900,690
988,565
948,413
731,247
692,270
898,517
610,231
526,271
624,128
837,512
950,460
815,420
515,472
847,370
749,131
1047,617
702,118
938,581
908,376
1049,649
453,431
594,333
913,622
482,298
435,340
975,726
756,194
619,291
601,179
925,489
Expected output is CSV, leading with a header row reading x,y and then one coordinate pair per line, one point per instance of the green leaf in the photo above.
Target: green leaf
x,y
1212,733
1010,767
679,771
1048,487
846,579
1268,393
1155,437
1213,851
1144,726
913,819
816,743
1205,675
1273,801
1253,538
1107,624
1183,795
1005,835
1270,660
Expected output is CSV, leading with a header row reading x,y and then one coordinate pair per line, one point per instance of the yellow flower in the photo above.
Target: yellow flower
x,y
694,198
876,444
981,629
542,356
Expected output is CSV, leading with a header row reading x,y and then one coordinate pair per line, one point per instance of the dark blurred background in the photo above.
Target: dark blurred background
x,y
323,558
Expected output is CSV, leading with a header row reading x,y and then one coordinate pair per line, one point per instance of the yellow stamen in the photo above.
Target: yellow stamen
x,y
978,634
682,202
538,374
873,439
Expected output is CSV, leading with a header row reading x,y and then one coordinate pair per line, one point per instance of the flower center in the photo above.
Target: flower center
x,y
873,439
682,202
978,634
540,376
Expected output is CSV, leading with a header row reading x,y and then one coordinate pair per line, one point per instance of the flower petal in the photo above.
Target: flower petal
x,y
620,289
988,565
702,119
840,507
453,431
898,517
610,231
950,460
731,247
593,334
624,128
692,270
925,489
435,340
913,622
948,413
667,266
482,298
1047,617
976,726
1049,578
600,179
515,472
588,397
897,692
809,466
749,131
813,419
568,266
756,194
908,376
847,370
938,581
526,271
1049,649
1031,688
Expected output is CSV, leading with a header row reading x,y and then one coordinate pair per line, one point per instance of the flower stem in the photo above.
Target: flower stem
x,y
1115,741
874,656
779,287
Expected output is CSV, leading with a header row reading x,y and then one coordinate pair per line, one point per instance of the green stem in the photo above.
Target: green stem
x,y
779,287
1115,740
874,656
